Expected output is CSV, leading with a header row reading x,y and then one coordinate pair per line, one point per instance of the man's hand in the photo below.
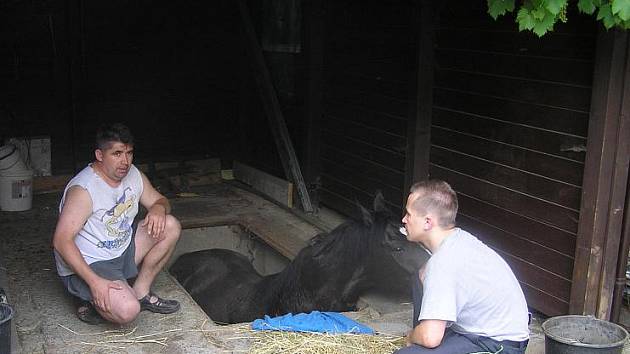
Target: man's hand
x,y
155,221
100,293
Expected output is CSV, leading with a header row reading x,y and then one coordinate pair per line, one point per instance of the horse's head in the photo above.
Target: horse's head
x,y
359,254
388,243
375,238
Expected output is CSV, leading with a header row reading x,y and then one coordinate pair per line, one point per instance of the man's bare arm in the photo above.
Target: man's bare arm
x,y
157,206
428,333
76,211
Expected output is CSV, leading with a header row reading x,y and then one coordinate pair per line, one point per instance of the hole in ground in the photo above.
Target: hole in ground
x,y
388,304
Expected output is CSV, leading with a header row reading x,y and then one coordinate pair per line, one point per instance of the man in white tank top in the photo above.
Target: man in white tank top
x,y
95,245
471,302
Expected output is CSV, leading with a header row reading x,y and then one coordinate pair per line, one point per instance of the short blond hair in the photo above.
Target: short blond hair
x,y
436,197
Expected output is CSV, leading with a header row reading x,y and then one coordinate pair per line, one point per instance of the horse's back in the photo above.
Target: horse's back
x,y
211,276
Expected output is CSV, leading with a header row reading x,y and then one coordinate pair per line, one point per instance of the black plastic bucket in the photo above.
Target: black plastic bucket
x,y
583,335
6,313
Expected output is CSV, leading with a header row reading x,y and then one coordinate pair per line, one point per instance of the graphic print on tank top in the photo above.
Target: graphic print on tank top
x,y
116,220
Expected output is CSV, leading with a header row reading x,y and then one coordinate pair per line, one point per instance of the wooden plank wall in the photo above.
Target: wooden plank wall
x,y
367,65
509,129
168,71
34,73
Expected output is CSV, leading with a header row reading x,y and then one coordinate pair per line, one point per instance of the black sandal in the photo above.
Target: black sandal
x,y
88,314
159,306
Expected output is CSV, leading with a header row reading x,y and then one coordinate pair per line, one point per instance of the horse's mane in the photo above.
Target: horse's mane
x,y
350,241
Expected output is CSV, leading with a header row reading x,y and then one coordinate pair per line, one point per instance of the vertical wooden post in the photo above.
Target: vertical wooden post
x,y
622,262
604,184
73,11
245,103
421,97
619,188
313,46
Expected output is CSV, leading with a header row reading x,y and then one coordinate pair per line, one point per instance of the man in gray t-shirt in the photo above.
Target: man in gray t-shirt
x,y
472,301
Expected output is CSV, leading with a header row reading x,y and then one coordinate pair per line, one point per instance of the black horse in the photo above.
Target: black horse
x,y
327,275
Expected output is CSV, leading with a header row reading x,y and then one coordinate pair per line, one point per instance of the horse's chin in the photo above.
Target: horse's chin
x,y
412,259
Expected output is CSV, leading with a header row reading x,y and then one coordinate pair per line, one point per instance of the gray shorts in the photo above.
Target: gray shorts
x,y
120,268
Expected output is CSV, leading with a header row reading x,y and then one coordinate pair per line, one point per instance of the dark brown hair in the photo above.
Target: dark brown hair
x,y
108,133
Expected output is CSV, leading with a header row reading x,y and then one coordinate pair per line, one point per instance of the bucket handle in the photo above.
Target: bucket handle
x,y
10,153
7,155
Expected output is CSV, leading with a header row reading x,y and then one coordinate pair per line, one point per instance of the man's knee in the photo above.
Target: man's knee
x,y
173,227
126,305
128,311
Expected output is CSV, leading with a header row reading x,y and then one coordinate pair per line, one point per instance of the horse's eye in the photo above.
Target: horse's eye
x,y
398,249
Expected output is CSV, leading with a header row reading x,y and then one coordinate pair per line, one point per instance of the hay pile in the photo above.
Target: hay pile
x,y
240,338
274,342
121,338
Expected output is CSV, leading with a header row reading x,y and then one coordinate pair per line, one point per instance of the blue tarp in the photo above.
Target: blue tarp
x,y
325,322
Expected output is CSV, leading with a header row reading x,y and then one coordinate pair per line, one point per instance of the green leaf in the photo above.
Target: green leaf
x,y
618,21
621,8
554,6
525,20
539,13
605,15
540,16
530,5
497,8
545,25
586,6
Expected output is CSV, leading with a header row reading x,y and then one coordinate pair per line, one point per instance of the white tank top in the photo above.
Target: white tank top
x,y
108,231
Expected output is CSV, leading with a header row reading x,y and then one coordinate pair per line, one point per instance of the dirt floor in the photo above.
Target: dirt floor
x,y
45,321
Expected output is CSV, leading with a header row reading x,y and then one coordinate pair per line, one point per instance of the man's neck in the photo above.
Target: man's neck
x,y
438,235
96,166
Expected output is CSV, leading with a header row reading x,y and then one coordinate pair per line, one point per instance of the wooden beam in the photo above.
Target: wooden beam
x,y
313,55
273,110
49,184
421,97
74,28
622,264
246,103
604,182
619,187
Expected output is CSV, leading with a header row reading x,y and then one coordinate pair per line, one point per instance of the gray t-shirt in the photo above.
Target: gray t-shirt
x,y
469,285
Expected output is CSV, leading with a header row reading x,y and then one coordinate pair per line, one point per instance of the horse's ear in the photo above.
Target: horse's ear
x,y
379,203
366,216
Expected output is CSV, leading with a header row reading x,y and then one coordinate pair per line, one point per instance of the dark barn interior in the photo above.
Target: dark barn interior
x,y
533,133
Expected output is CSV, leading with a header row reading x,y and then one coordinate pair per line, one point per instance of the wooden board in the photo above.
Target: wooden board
x,y
226,204
47,184
272,186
